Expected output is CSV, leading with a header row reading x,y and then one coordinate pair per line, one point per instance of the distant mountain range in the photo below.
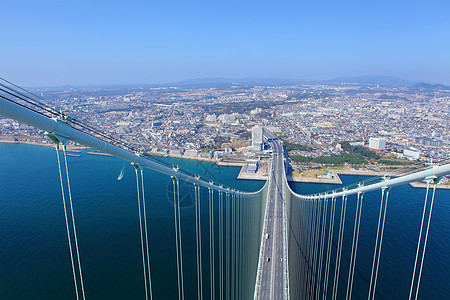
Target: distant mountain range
x,y
427,86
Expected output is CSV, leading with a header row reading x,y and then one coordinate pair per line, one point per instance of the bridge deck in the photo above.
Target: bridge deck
x,y
272,270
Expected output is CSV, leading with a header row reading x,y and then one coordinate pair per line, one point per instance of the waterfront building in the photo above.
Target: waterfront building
x,y
257,138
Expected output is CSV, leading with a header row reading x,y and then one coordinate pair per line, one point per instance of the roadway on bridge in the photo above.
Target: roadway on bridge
x,y
273,271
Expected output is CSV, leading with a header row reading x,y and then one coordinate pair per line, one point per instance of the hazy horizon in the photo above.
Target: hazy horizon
x,y
87,43
247,80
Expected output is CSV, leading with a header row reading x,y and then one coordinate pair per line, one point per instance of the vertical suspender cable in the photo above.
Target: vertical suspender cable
x,y
322,246
211,240
238,251
420,238
198,236
309,242
227,245
305,246
330,241
221,245
176,235
200,240
236,261
239,261
426,240
196,240
302,239
312,247
73,222
136,167
377,249
233,244
180,245
316,247
67,221
314,244
352,268
381,242
376,243
175,204
146,236
340,241
353,246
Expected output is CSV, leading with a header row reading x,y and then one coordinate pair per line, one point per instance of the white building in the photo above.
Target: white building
x,y
257,138
191,152
411,153
272,129
377,143
226,118
211,118
252,168
357,144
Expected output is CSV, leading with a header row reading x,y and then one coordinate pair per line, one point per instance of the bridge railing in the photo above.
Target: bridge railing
x,y
318,235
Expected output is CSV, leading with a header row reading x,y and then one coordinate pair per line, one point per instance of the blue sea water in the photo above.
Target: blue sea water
x,y
34,258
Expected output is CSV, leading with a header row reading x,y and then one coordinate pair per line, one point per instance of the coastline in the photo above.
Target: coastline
x,y
243,175
422,185
69,147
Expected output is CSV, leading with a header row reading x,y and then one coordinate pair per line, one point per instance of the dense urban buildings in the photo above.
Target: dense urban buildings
x,y
210,120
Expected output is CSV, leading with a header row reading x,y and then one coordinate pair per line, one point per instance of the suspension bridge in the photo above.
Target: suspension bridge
x,y
286,245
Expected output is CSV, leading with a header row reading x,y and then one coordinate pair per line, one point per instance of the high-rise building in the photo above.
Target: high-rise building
x,y
377,143
257,138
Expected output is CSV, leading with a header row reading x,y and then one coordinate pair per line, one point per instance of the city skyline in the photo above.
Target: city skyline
x,y
106,43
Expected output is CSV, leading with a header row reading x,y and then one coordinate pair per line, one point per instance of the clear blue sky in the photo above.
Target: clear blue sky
x,y
109,42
